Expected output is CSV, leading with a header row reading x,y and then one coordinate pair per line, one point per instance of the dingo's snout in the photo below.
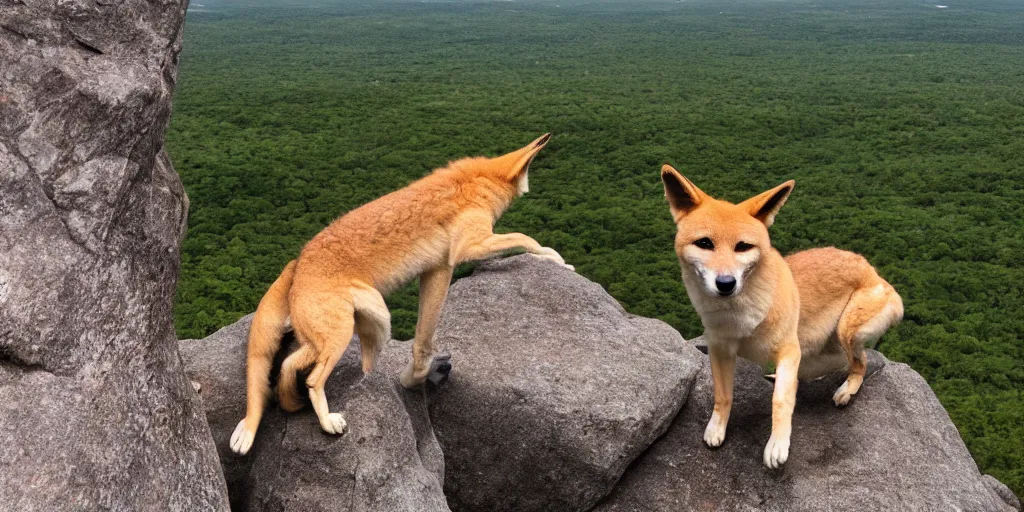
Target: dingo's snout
x,y
725,285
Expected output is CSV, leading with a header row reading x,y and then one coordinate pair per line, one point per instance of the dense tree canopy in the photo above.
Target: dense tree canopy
x,y
899,121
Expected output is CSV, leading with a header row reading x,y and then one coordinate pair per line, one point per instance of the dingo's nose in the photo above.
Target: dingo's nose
x,y
725,285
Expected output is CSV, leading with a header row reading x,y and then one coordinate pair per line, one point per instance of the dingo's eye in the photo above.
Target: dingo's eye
x,y
743,247
705,243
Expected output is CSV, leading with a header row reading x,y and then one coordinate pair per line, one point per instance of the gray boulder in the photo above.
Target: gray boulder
x,y
555,389
893,448
388,461
1002,491
95,410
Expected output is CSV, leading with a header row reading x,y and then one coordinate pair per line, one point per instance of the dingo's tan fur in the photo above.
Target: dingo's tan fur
x,y
810,314
337,285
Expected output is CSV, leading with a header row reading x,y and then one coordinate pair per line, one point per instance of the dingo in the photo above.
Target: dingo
x,y
810,314
337,284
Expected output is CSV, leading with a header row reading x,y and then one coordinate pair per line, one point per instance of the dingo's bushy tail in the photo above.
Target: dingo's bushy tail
x,y
268,327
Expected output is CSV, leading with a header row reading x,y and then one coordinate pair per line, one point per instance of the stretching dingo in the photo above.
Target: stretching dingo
x,y
337,284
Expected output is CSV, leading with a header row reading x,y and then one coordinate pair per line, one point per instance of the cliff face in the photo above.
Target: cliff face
x,y
559,400
95,412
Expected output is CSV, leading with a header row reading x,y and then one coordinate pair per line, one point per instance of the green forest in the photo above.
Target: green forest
x,y
901,123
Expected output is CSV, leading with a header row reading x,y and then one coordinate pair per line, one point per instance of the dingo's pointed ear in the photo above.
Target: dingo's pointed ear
x,y
518,161
683,196
766,205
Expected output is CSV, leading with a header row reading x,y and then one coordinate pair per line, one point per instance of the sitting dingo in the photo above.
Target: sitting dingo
x,y
337,284
810,314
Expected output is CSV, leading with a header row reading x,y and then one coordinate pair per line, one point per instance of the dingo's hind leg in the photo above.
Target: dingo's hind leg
x,y
869,314
287,391
327,321
373,324
268,326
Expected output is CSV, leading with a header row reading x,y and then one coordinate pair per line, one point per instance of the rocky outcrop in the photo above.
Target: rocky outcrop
x,y
389,460
95,411
892,448
555,393
555,389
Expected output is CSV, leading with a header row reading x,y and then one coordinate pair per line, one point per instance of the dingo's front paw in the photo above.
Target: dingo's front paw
x,y
550,254
241,438
843,395
334,423
776,452
714,434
